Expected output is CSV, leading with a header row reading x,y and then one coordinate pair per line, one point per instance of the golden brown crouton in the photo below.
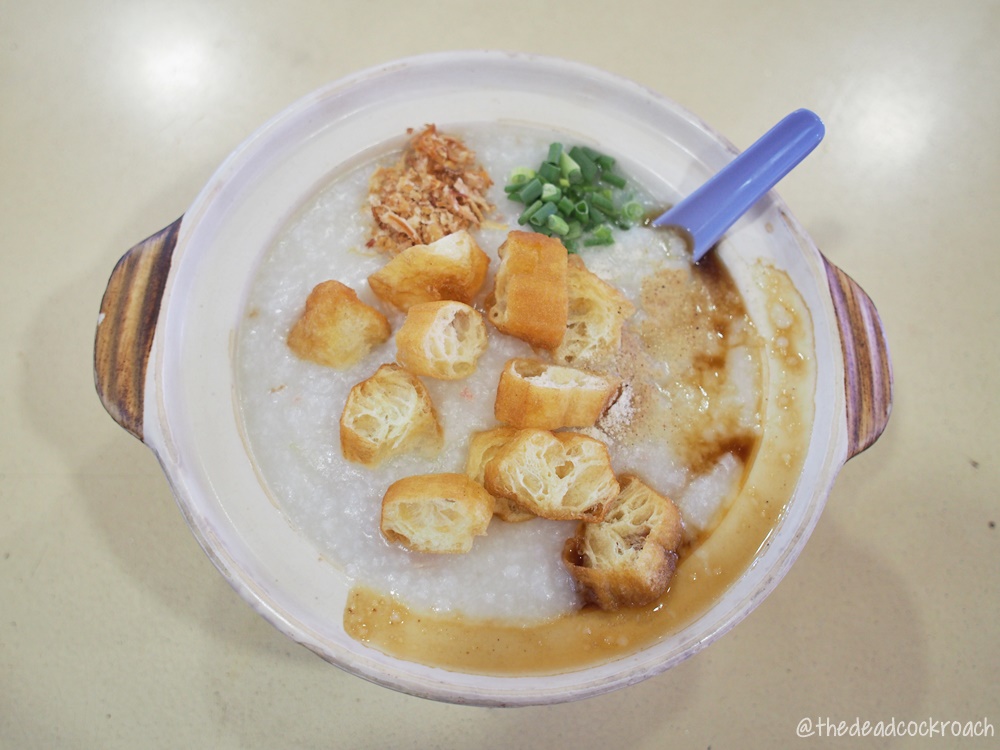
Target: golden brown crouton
x,y
389,413
436,512
336,329
597,312
454,267
563,476
483,446
529,299
532,393
627,559
442,340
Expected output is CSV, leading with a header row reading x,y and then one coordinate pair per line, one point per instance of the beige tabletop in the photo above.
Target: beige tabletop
x,y
117,631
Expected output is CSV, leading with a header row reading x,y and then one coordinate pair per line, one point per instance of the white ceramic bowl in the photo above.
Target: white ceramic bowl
x,y
164,350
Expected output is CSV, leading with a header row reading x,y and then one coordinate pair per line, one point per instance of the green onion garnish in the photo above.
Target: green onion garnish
x,y
570,169
613,179
521,174
557,224
602,233
588,168
574,195
605,205
529,212
550,172
633,211
538,218
597,215
531,192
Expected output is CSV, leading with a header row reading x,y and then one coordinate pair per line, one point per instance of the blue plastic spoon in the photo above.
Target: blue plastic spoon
x,y
705,215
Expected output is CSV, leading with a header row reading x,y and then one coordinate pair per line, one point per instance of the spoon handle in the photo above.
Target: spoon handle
x,y
714,207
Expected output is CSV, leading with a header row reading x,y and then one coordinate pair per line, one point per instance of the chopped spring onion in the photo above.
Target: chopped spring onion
x,y
602,232
574,195
538,218
597,215
531,192
520,175
570,169
550,172
565,206
604,204
613,179
587,165
633,211
601,236
529,212
557,224
550,193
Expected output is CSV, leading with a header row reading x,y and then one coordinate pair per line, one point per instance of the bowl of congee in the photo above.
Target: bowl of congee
x,y
444,408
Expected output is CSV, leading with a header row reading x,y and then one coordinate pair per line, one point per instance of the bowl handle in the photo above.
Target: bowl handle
x,y
868,369
126,324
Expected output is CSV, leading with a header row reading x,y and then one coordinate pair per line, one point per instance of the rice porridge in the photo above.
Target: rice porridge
x,y
688,420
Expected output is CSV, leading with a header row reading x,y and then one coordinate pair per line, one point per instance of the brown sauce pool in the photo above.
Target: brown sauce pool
x,y
707,567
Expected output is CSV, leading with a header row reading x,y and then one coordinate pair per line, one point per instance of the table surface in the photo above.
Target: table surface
x,y
115,628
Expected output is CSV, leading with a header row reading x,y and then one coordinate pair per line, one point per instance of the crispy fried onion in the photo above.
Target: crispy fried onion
x,y
436,188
